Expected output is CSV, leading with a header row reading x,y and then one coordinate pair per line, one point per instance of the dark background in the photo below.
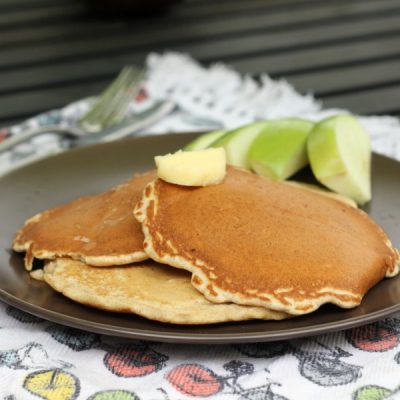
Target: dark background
x,y
346,52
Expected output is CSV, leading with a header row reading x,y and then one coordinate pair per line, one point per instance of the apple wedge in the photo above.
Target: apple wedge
x,y
203,141
237,142
280,149
339,151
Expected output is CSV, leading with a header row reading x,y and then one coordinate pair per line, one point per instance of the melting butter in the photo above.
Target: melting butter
x,y
193,168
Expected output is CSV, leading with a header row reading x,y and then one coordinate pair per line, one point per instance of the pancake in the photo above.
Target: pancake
x,y
147,289
98,230
323,192
254,241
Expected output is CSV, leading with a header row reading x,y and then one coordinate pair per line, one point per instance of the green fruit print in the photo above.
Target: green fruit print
x,y
371,392
114,395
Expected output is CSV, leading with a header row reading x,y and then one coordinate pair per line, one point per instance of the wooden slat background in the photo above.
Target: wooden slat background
x,y
346,52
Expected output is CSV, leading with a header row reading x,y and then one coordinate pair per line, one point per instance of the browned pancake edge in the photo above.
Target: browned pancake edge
x,y
98,229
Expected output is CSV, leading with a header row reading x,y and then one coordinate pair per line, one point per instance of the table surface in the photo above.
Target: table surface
x,y
346,52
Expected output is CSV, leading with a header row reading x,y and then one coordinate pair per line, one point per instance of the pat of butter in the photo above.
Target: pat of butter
x,y
193,168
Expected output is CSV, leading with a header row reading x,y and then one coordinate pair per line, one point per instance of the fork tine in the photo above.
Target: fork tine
x,y
122,102
104,99
113,101
93,120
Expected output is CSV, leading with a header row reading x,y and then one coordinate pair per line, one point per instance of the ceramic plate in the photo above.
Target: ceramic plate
x,y
64,177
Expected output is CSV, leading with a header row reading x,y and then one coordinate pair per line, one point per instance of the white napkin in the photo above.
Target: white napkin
x,y
206,98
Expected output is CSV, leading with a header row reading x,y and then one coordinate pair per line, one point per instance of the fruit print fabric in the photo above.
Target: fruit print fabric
x,y
114,395
194,380
134,360
52,385
55,362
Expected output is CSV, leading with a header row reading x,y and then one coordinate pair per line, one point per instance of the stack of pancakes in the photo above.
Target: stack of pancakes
x,y
247,248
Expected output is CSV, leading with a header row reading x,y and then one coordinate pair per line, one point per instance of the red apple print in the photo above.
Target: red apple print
x,y
3,134
133,361
194,380
373,338
141,96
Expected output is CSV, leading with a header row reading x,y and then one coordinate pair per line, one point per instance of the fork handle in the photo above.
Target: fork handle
x,y
29,134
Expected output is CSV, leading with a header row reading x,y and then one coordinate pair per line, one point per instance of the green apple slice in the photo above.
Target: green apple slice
x,y
203,141
237,142
339,151
280,149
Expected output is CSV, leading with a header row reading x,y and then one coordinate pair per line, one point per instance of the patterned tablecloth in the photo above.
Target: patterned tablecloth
x,y
43,360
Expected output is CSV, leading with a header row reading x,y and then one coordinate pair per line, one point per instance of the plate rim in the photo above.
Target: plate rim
x,y
194,338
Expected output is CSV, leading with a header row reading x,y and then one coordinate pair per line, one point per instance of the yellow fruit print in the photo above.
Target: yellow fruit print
x,y
53,384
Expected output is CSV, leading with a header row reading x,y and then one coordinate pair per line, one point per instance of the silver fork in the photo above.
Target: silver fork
x,y
105,119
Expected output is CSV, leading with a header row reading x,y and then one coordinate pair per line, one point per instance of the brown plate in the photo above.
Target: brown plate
x,y
64,177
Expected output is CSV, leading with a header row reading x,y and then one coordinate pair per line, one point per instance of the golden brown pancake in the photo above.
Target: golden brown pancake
x,y
253,241
323,192
148,289
99,230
